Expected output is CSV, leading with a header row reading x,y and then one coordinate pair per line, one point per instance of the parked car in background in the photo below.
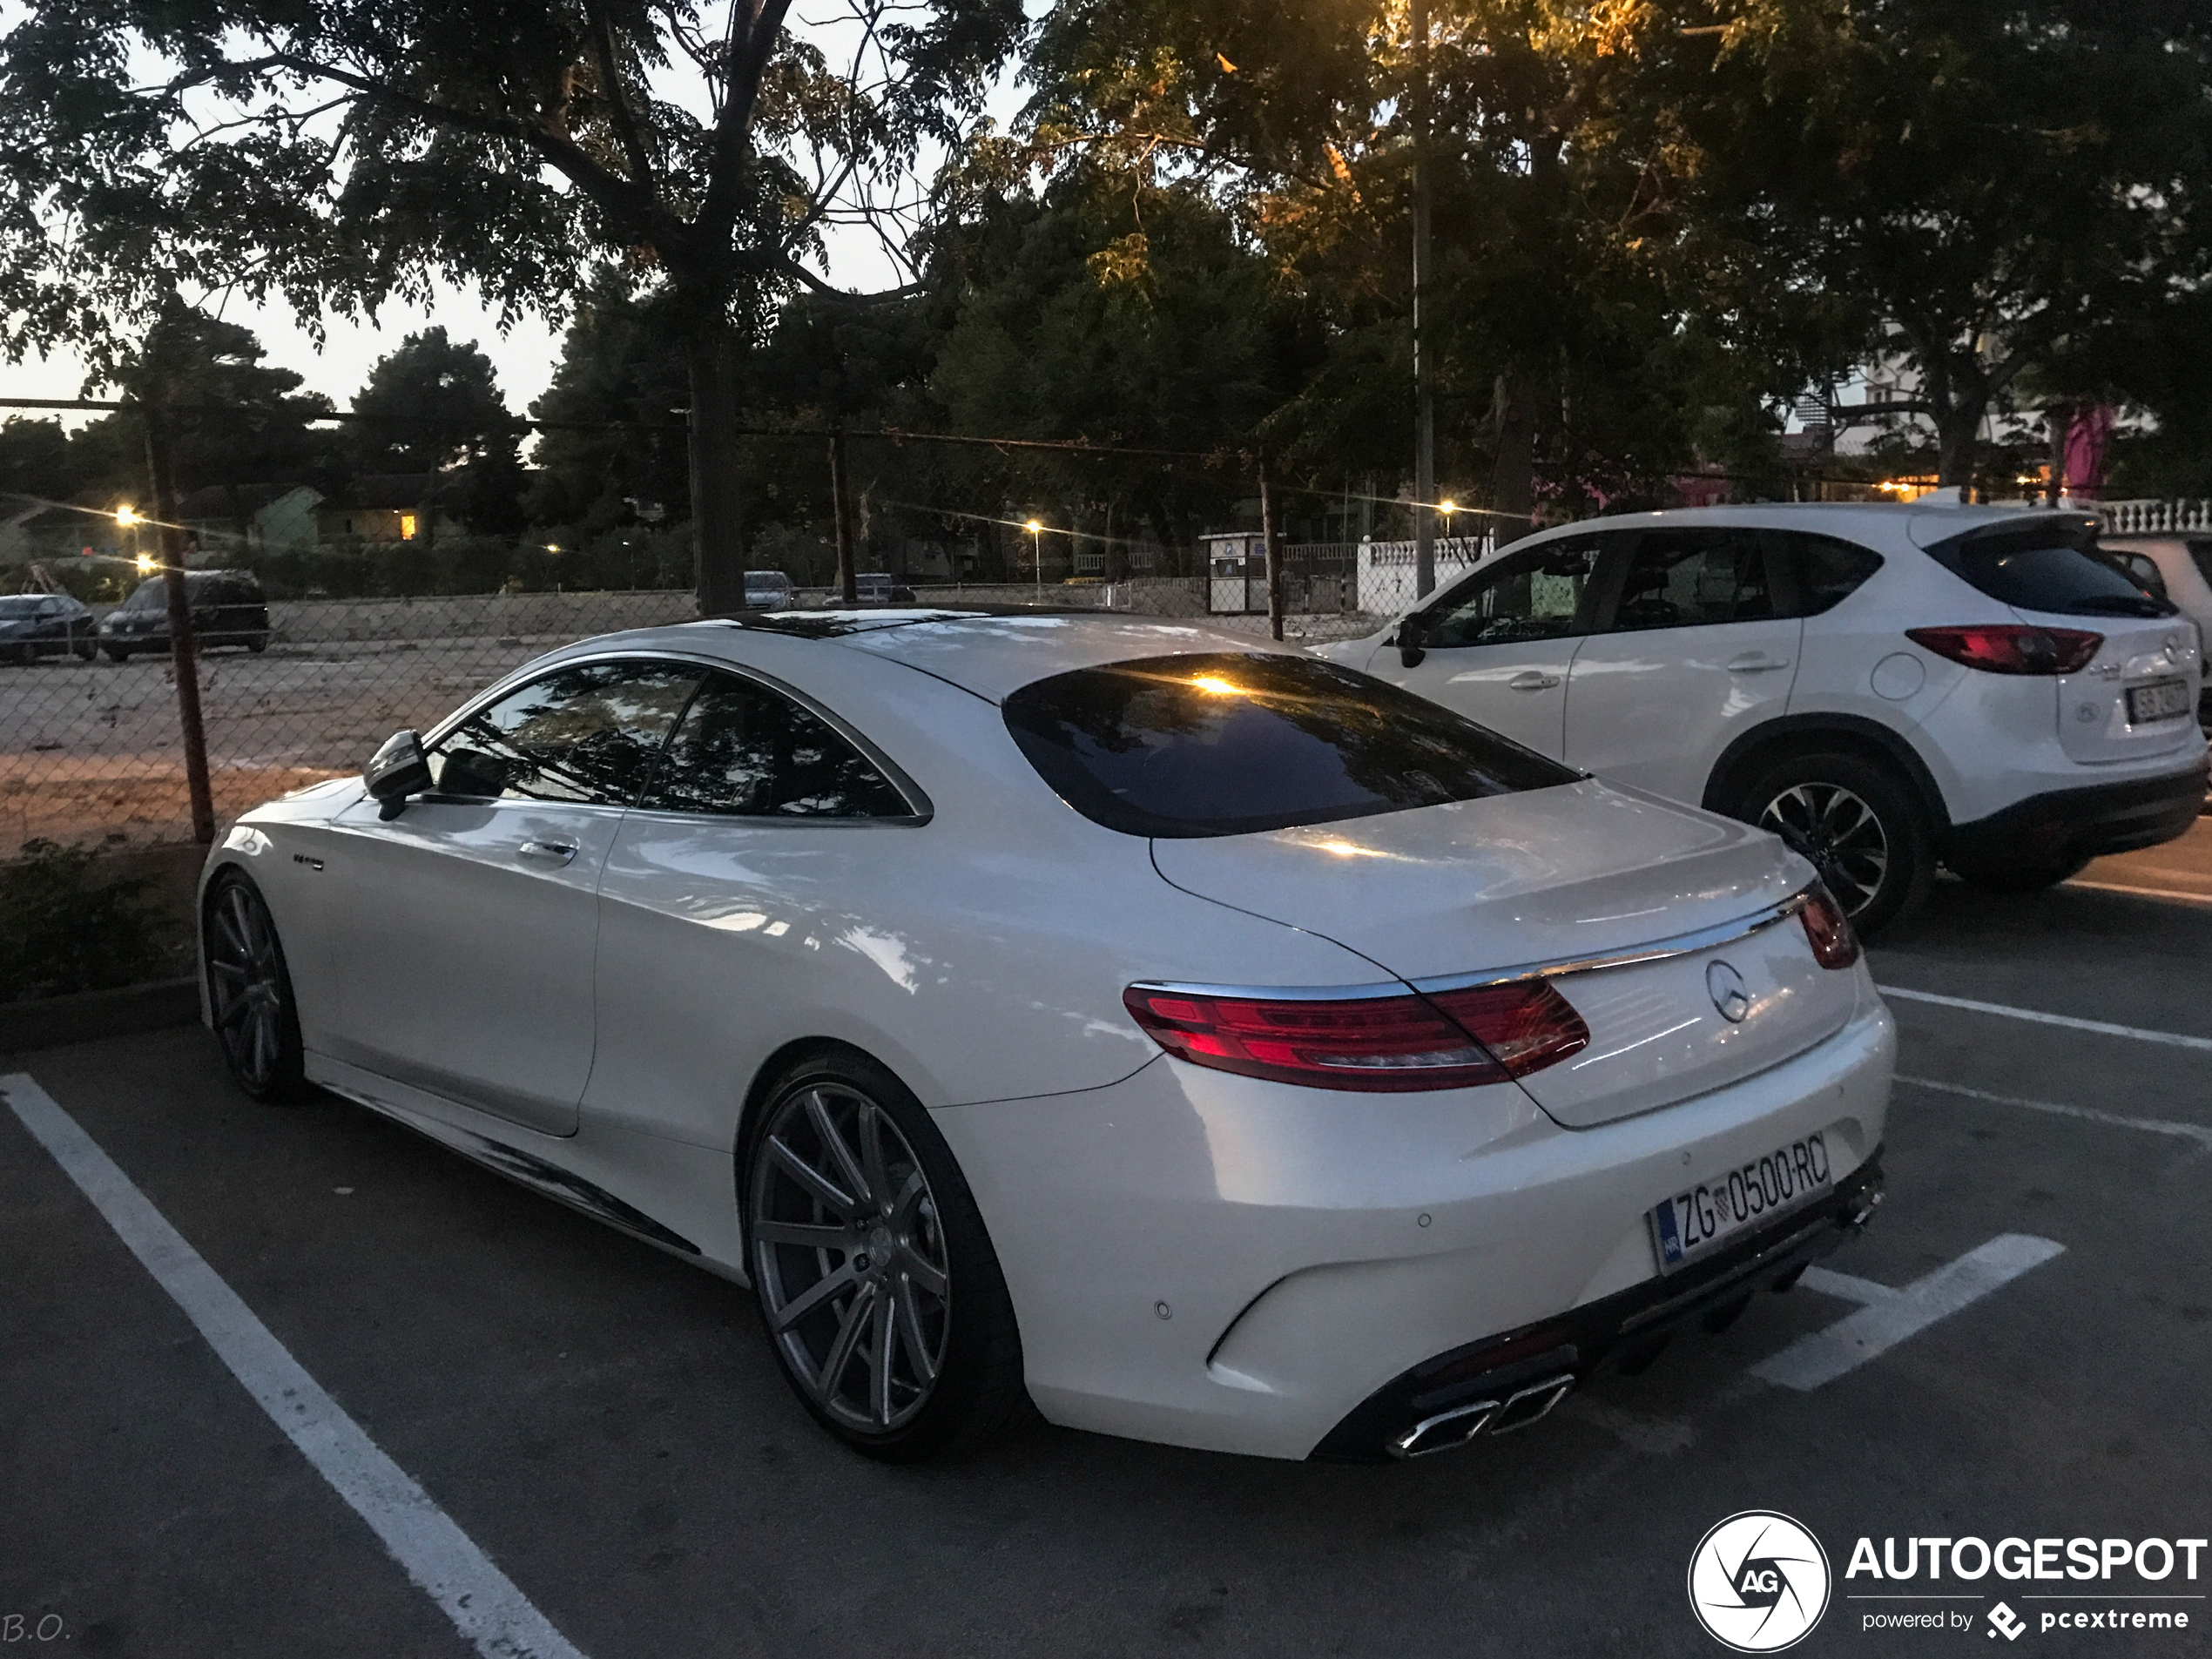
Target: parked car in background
x,y
1889,688
45,624
2178,569
1218,1045
768,591
228,608
875,588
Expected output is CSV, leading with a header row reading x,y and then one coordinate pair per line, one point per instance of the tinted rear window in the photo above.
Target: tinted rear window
x,y
2050,565
1228,744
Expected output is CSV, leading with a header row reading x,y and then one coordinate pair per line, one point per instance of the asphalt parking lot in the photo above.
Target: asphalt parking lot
x,y
606,1424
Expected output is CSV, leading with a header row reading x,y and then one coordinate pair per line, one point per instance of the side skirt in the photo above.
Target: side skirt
x,y
527,1169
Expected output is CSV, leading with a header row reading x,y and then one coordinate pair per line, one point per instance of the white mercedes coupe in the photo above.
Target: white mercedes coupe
x,y
1207,1044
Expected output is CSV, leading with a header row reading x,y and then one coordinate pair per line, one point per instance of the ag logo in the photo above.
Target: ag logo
x,y
1758,1583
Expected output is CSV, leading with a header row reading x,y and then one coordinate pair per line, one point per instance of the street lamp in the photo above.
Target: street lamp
x,y
1036,554
128,517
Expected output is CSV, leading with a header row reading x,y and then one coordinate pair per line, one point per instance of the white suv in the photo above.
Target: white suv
x,y
1887,687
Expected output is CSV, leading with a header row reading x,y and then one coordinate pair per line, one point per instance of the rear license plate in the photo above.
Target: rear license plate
x,y
2159,700
1692,1223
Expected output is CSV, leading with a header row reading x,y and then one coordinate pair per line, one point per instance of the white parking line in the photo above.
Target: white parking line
x,y
482,1602
1847,1288
1822,1355
2173,1039
2197,1132
2175,894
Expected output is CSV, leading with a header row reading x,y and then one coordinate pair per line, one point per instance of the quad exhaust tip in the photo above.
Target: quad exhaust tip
x,y
1462,1423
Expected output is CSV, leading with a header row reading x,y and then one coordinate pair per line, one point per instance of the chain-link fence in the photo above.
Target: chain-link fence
x,y
91,748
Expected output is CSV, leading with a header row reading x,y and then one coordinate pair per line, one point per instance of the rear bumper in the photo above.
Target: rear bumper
x,y
1539,1362
1214,1261
2070,824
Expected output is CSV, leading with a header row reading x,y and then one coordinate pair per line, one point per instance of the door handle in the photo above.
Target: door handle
x,y
1530,680
551,852
1756,661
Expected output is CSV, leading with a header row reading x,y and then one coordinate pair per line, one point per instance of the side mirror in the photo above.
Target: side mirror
x,y
1410,651
397,770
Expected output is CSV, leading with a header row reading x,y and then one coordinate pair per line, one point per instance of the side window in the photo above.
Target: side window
x,y
1693,578
586,734
1536,595
745,750
1826,571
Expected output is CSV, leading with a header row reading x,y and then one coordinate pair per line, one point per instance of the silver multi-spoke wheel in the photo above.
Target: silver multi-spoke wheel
x,y
849,1256
1838,833
246,986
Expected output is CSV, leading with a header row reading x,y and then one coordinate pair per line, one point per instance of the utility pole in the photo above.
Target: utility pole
x,y
1271,537
841,516
2057,421
182,654
1423,396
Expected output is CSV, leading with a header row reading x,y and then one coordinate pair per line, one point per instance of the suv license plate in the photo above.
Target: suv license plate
x,y
2159,700
1690,1225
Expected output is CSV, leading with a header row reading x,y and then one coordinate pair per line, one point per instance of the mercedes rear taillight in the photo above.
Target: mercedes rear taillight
x,y
2011,648
1834,942
1380,1044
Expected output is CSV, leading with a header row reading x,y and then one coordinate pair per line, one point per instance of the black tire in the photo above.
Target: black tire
x,y
914,1351
85,652
1858,822
257,644
2024,878
257,1021
115,655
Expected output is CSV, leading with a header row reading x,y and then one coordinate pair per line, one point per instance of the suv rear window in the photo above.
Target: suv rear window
x,y
2201,553
1231,743
2050,564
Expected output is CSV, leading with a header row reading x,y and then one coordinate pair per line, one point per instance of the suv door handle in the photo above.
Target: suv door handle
x,y
1529,680
551,852
1756,661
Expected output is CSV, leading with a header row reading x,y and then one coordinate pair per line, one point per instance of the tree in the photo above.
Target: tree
x,y
429,405
1572,335
621,361
340,153
433,407
236,421
1990,195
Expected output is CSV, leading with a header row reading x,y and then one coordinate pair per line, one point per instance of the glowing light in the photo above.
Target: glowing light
x,y
145,564
552,547
1214,685
1447,507
407,527
1033,526
127,516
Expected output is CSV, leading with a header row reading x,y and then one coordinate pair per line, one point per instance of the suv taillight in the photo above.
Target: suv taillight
x,y
2011,648
1382,1044
1834,943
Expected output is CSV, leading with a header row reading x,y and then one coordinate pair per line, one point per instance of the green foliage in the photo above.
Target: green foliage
x,y
66,926
429,378
1998,197
622,359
